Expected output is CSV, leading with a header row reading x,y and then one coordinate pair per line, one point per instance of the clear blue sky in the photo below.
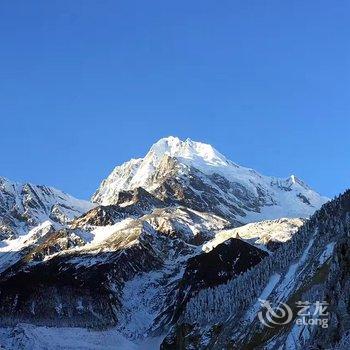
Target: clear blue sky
x,y
86,85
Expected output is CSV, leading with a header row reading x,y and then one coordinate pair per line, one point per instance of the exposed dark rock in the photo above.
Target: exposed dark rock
x,y
219,265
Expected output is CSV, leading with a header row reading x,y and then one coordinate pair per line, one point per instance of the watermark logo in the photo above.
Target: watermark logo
x,y
305,314
272,316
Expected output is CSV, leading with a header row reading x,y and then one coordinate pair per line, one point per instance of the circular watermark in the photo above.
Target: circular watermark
x,y
274,316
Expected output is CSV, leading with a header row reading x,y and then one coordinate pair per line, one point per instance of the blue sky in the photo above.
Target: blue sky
x,y
86,85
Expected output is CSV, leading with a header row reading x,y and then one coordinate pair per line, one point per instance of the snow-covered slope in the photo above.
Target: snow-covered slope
x,y
30,337
24,206
197,175
259,233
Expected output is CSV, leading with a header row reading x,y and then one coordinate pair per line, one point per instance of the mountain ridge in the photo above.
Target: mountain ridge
x,y
195,166
24,206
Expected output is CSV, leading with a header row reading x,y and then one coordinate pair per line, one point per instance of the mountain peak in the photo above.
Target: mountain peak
x,y
294,180
196,152
207,180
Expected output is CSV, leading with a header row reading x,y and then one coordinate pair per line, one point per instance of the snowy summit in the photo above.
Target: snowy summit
x,y
197,166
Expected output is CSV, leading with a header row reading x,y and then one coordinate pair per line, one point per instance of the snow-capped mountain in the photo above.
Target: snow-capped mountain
x,y
172,249
24,206
197,176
